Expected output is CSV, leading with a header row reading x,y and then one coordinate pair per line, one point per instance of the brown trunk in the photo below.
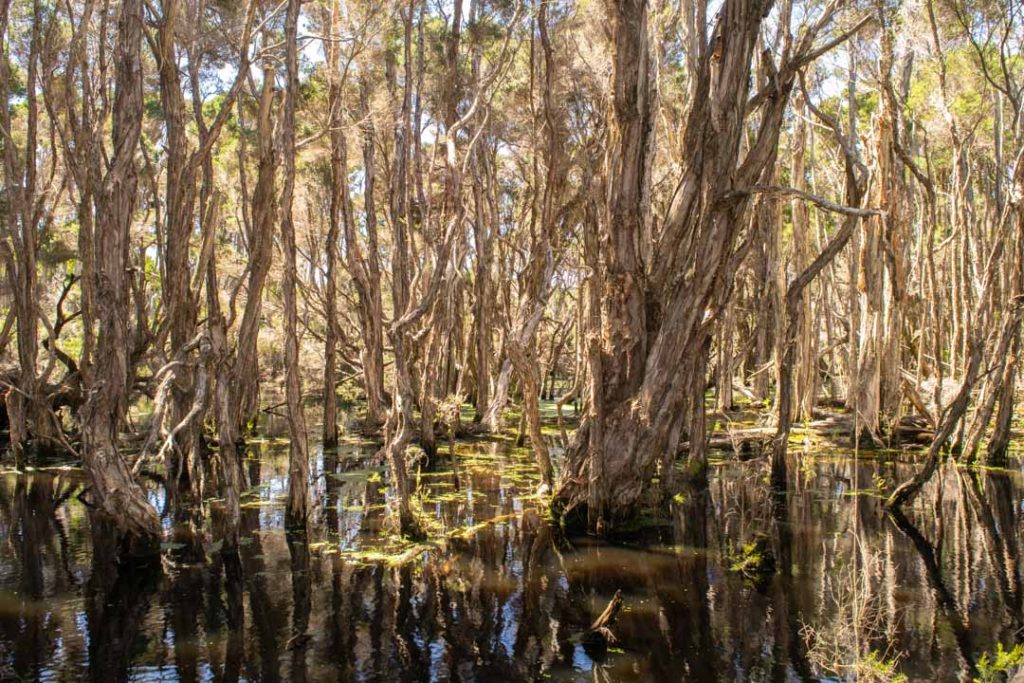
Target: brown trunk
x,y
492,419
298,456
999,442
1009,358
28,411
177,294
398,432
116,496
806,384
430,377
485,229
725,369
227,510
260,254
766,298
339,187
367,276
653,334
617,365
482,295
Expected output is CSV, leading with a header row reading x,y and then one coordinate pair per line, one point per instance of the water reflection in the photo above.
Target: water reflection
x,y
500,596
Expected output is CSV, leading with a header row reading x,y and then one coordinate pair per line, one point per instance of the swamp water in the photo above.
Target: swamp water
x,y
494,597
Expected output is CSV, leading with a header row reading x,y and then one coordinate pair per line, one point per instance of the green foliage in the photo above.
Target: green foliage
x,y
877,667
152,107
1003,662
212,106
755,561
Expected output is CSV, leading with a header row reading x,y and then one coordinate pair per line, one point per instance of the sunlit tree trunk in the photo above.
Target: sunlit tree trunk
x,y
367,275
483,293
657,319
399,429
339,187
261,240
806,379
298,455
227,477
179,203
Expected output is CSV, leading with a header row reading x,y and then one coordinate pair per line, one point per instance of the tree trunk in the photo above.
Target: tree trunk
x,y
598,456
999,442
654,333
367,274
28,412
806,384
116,496
176,292
483,304
398,432
339,187
226,511
260,242
298,455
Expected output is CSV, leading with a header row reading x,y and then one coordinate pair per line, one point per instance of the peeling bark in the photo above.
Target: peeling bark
x,y
114,493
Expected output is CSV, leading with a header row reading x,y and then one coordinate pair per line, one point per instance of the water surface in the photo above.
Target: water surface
x,y
496,595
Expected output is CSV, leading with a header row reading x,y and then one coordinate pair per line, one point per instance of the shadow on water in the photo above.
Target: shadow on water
x,y
496,596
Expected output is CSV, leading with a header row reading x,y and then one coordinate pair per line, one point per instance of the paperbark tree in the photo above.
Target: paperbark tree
x,y
298,450
339,193
180,198
544,239
795,310
114,493
365,270
409,312
657,317
25,213
260,243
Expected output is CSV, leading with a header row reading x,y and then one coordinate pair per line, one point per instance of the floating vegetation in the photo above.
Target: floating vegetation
x,y
755,561
995,667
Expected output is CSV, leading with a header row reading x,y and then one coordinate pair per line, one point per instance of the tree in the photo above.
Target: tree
x,y
298,450
663,292
117,497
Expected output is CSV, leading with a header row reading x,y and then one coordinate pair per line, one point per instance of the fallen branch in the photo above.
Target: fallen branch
x,y
600,635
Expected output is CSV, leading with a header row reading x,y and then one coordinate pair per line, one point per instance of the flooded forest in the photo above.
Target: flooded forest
x,y
511,340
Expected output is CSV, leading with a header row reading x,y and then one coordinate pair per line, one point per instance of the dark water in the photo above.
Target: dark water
x,y
495,598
